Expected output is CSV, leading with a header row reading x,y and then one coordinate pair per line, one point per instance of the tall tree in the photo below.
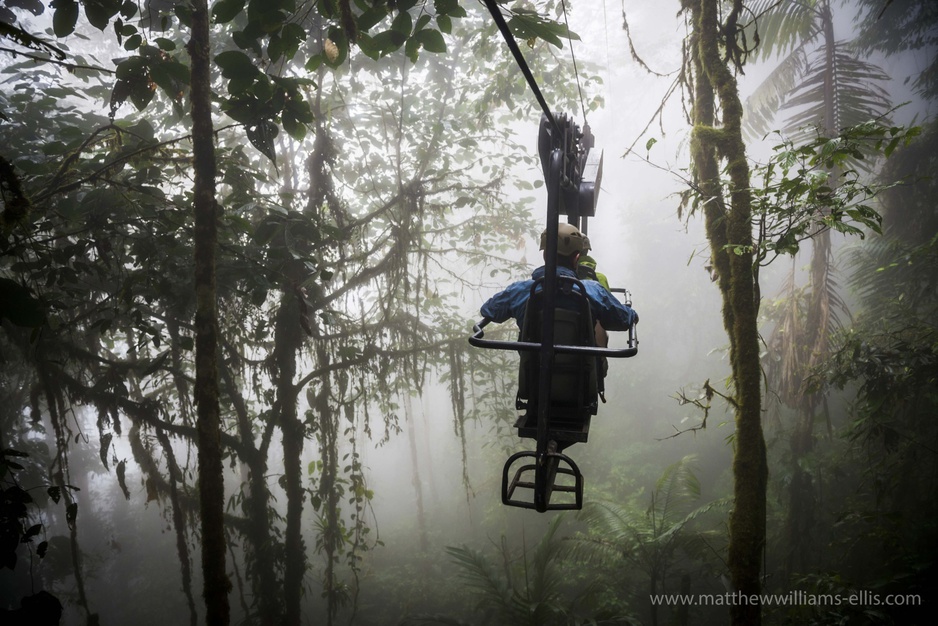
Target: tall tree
x,y
211,480
109,256
823,86
713,48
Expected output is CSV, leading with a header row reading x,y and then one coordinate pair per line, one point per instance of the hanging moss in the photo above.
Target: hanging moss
x,y
179,523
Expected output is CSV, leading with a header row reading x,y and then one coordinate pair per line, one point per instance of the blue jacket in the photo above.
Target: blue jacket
x,y
606,309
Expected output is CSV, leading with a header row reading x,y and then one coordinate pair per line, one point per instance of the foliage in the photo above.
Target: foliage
x,y
523,589
799,197
342,277
17,530
877,471
901,26
659,542
814,67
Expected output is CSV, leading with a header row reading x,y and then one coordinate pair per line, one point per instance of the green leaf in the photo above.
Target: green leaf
x,y
403,23
293,127
432,40
275,48
128,9
141,93
65,17
179,72
236,64
262,88
422,22
388,41
31,532
226,10
262,136
444,23
299,108
526,25
449,7
246,41
184,12
316,60
130,68
412,49
100,12
292,36
371,17
165,44
133,42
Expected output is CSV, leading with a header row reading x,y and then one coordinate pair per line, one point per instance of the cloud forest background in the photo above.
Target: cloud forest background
x,y
243,245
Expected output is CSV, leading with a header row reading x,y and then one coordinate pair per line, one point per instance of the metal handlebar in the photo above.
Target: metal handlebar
x,y
478,339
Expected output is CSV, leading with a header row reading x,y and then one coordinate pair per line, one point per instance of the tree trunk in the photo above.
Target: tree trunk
x,y
287,342
729,223
331,537
415,472
812,345
260,550
211,481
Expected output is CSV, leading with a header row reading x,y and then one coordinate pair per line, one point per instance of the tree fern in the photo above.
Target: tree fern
x,y
529,589
651,540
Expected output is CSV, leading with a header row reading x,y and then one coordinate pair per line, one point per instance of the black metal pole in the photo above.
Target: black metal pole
x,y
541,473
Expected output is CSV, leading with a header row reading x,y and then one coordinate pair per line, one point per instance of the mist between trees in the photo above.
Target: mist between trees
x,y
246,243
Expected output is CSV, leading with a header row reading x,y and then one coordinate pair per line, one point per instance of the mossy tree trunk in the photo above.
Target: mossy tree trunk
x,y
211,482
288,341
260,552
728,217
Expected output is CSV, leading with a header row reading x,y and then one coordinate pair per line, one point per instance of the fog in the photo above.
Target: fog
x,y
418,424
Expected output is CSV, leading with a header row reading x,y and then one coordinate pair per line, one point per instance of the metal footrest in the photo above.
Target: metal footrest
x,y
538,479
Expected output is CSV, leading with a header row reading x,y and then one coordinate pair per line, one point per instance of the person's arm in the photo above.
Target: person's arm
x,y
508,303
612,314
496,308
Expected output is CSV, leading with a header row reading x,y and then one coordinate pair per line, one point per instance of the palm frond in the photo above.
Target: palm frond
x,y
546,578
482,577
782,26
855,87
895,279
676,489
617,523
762,106
675,530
